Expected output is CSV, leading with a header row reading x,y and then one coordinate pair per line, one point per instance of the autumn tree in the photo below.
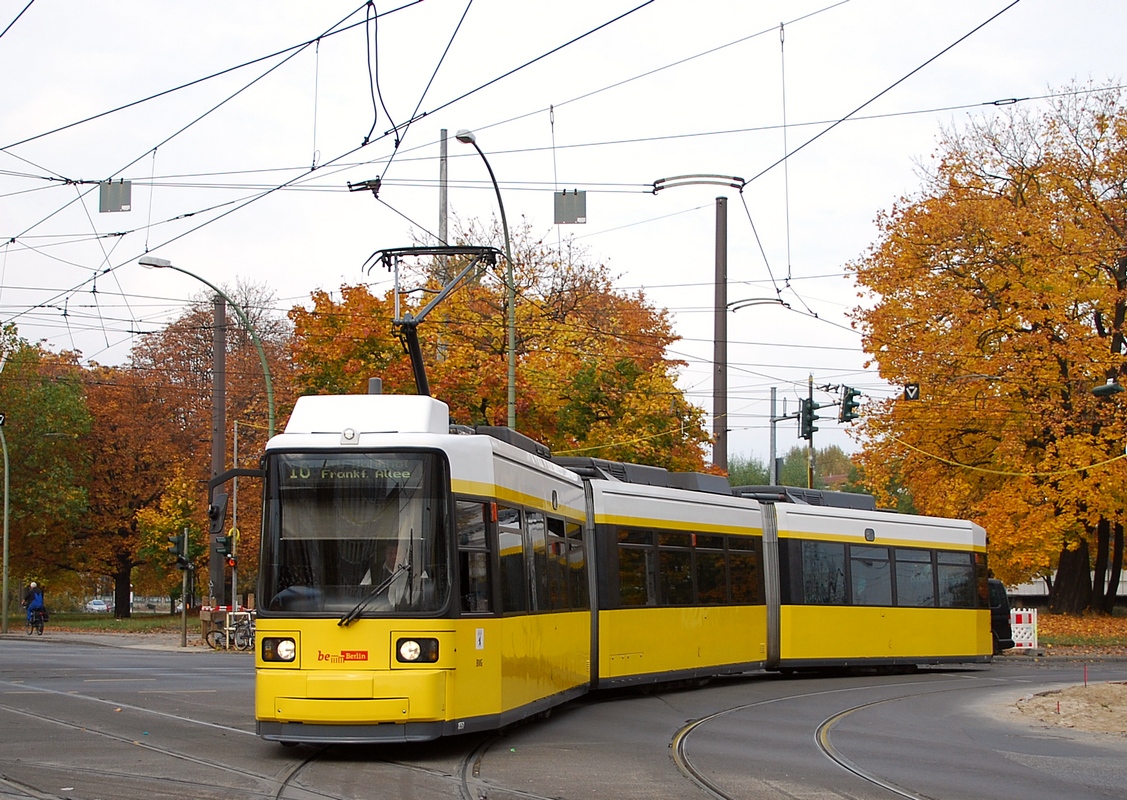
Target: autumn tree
x,y
45,428
177,362
593,377
1000,288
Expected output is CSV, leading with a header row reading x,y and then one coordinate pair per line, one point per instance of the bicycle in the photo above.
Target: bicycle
x,y
35,621
240,634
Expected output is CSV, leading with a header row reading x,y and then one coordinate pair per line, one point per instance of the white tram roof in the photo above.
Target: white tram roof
x,y
369,413
888,528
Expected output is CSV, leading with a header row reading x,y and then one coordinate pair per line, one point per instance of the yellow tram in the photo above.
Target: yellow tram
x,y
419,580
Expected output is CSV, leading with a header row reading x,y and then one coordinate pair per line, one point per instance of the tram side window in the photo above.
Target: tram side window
x,y
675,562
915,578
636,571
557,565
956,573
743,567
870,576
712,581
576,566
536,547
982,576
823,573
473,556
511,544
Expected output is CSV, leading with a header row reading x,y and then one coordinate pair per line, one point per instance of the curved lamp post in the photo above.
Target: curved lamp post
x,y
4,444
467,137
162,263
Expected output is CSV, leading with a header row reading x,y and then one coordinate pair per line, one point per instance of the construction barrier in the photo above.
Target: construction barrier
x,y
1023,623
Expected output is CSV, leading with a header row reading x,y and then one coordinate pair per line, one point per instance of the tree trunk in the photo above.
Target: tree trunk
x,y
1099,570
122,590
1073,587
1116,569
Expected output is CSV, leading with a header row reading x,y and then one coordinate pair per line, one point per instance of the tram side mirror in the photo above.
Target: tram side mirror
x,y
216,513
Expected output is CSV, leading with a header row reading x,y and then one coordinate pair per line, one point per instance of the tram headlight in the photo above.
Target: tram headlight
x,y
279,649
416,651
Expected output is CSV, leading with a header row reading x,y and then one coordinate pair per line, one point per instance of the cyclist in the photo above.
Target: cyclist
x,y
33,599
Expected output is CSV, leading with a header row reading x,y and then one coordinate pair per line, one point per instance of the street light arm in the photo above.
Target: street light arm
x,y
161,263
467,137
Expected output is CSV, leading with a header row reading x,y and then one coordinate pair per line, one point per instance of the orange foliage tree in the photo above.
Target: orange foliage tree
x,y
1001,290
177,363
593,377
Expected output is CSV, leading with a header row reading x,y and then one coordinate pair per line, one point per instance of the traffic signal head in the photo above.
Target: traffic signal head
x,y
806,417
176,545
850,405
232,561
216,512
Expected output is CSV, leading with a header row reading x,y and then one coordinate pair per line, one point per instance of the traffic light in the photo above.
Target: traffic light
x,y
849,405
216,512
178,548
806,417
232,561
227,546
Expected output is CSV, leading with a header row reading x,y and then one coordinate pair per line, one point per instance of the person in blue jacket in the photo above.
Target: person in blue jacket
x,y
33,599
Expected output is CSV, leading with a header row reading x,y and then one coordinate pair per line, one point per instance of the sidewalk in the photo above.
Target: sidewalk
x,y
164,640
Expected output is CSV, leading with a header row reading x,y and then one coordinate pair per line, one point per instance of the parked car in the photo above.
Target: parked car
x,y
1000,617
97,606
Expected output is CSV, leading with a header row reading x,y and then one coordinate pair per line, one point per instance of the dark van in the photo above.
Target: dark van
x,y
1000,617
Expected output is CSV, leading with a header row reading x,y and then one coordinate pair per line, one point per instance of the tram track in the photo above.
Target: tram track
x,y
688,769
285,784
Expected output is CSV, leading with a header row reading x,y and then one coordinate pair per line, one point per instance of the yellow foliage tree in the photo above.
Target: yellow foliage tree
x,y
1001,290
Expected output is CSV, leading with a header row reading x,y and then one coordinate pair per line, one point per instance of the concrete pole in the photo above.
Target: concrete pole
x,y
216,564
720,341
443,187
773,466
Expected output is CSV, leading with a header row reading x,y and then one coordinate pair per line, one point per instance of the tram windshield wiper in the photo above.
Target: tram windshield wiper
x,y
348,618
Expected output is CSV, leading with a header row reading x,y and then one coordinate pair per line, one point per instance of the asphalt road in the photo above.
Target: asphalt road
x,y
80,719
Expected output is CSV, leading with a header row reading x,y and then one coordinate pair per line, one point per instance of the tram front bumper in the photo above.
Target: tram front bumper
x,y
350,698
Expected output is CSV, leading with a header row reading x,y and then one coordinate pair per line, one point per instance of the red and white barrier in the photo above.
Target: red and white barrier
x,y
1023,624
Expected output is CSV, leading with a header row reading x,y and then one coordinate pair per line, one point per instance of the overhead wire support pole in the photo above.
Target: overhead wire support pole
x,y
720,307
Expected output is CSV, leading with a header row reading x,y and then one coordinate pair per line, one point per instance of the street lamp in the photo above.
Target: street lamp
x,y
162,263
467,137
4,445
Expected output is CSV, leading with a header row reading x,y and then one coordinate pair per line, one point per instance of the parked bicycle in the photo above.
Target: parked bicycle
x,y
237,632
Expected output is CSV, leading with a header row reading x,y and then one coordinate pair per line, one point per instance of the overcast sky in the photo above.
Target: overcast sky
x,y
240,131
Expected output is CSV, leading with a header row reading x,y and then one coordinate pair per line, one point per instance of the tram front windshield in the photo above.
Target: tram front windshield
x,y
358,534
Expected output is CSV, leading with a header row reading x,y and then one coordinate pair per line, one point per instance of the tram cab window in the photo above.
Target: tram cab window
x,y
330,520
472,526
